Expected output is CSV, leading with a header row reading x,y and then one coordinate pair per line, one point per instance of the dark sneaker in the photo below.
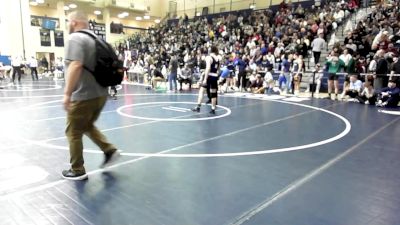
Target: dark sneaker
x,y
110,158
73,175
196,109
336,98
212,111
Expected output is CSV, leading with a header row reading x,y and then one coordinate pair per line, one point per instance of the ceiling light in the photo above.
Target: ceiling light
x,y
138,18
40,1
66,8
146,17
33,3
157,21
97,12
73,6
125,14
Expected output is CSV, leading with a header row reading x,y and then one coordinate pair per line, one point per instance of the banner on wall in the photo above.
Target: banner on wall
x,y
59,38
45,22
45,37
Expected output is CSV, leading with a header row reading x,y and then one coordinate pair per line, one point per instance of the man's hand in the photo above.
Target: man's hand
x,y
73,74
67,102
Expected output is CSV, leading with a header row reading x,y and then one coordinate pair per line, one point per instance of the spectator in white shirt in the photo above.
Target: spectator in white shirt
x,y
257,86
278,50
59,64
16,65
271,58
297,72
382,36
345,57
368,95
322,15
269,82
372,64
138,71
185,76
318,45
351,46
321,29
354,88
252,66
338,16
316,80
33,64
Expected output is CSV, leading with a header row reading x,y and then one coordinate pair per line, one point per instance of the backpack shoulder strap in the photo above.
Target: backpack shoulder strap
x,y
94,37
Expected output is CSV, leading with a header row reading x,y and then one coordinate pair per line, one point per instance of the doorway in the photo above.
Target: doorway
x,y
46,61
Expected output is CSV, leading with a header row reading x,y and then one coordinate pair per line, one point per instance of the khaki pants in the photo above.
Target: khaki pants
x,y
80,121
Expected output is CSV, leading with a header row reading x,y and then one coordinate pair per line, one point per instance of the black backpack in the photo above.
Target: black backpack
x,y
109,69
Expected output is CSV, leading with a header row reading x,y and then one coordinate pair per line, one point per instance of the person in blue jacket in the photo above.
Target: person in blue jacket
x,y
224,76
389,96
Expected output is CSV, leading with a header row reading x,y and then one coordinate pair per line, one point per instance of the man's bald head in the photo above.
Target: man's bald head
x,y
77,21
78,16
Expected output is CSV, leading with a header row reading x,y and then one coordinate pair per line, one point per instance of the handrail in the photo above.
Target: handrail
x,y
361,74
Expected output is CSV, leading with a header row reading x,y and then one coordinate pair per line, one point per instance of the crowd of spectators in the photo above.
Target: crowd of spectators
x,y
254,44
369,57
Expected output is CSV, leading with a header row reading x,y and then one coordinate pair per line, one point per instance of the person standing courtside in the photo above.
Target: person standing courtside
x,y
318,45
210,80
83,99
241,67
173,68
16,65
33,64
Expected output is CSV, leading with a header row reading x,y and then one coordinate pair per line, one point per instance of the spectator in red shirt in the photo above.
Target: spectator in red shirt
x,y
314,28
352,5
361,65
384,44
392,50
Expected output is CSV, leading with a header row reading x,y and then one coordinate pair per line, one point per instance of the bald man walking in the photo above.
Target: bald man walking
x,y
83,99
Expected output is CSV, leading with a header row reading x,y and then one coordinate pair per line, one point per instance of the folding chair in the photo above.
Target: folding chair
x,y
161,86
